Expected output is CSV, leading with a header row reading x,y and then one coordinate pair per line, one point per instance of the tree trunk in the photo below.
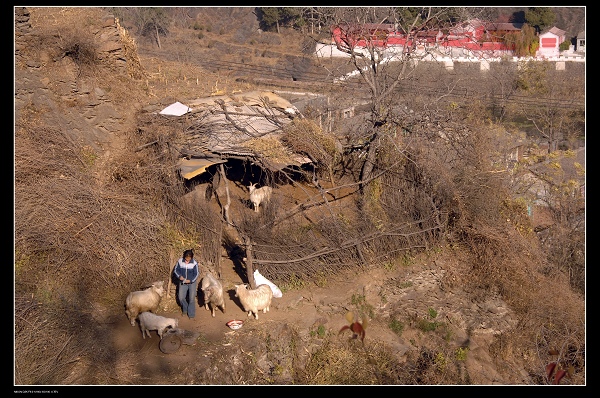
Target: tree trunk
x,y
249,266
228,202
171,268
157,36
367,168
218,259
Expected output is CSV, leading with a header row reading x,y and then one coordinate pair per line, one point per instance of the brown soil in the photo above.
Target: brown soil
x,y
405,293
301,308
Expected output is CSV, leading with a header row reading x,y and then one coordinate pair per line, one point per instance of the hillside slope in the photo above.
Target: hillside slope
x,y
424,327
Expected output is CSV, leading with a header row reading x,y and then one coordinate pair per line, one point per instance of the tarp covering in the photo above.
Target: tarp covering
x,y
250,122
190,168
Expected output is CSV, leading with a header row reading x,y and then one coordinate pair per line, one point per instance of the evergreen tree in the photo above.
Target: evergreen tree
x,y
540,17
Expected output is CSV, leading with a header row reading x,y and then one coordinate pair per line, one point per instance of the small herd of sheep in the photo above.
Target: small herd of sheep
x,y
143,304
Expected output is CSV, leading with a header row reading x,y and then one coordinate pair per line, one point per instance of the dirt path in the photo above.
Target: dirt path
x,y
404,293
213,331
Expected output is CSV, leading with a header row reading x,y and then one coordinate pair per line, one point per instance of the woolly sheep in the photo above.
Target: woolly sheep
x,y
143,300
150,321
259,195
254,300
213,293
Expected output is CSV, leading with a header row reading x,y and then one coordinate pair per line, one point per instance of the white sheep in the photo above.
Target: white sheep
x,y
259,195
254,300
150,321
212,290
143,300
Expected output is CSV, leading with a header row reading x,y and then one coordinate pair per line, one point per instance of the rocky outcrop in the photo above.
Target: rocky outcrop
x,y
84,107
22,31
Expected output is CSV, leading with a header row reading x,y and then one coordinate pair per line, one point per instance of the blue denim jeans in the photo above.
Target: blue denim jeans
x,y
187,298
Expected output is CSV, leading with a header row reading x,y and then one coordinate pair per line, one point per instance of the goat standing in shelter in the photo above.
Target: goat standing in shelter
x,y
259,195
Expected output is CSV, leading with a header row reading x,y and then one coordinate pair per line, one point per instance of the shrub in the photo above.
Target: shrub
x,y
564,46
82,49
396,326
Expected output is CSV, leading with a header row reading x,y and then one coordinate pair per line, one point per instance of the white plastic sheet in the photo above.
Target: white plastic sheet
x,y
176,109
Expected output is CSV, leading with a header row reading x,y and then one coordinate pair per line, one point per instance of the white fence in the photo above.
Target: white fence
x,y
330,50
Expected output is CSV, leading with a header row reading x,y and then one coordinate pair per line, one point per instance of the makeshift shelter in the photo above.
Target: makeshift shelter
x,y
243,126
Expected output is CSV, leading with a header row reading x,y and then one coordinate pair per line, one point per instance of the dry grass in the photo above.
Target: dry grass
x,y
120,233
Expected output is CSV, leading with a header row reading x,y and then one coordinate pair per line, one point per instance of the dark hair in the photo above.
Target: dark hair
x,y
188,253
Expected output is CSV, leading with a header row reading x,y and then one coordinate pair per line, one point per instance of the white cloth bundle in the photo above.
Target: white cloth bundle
x,y
260,280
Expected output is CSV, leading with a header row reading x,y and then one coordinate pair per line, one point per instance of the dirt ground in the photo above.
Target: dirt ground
x,y
405,292
298,307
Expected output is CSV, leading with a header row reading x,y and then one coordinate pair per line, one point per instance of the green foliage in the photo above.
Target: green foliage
x,y
271,18
88,156
396,326
408,14
357,299
320,331
564,46
540,17
23,261
277,369
293,283
432,313
321,279
461,353
268,18
532,77
150,21
389,265
524,43
427,325
440,361
364,308
516,212
407,259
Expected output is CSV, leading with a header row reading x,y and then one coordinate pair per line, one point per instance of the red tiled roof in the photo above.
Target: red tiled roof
x,y
504,26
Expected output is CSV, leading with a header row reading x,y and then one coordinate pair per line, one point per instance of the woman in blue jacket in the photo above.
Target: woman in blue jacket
x,y
186,271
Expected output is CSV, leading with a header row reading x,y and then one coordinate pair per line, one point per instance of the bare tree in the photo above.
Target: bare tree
x,y
150,21
361,33
559,111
